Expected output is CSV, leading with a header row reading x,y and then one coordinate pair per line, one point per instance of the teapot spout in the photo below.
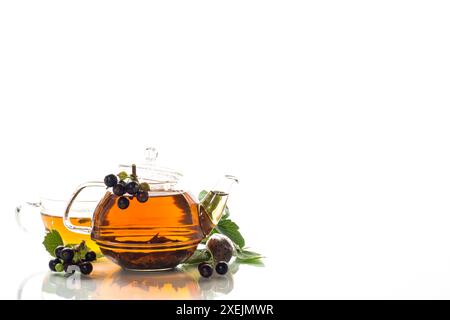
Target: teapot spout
x,y
213,205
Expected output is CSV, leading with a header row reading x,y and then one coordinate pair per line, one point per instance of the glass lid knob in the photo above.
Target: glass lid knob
x,y
151,154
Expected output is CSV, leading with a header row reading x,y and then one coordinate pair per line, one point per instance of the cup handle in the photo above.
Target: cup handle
x,y
19,212
67,223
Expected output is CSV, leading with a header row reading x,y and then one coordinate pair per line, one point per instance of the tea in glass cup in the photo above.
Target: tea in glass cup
x,y
51,214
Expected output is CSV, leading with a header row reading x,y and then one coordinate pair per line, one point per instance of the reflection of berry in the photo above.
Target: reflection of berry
x,y
205,284
132,188
67,254
66,266
205,269
110,180
222,267
86,267
119,189
58,251
90,256
142,196
52,264
123,203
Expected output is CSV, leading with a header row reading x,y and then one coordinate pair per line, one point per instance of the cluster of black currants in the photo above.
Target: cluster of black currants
x,y
206,269
127,190
72,256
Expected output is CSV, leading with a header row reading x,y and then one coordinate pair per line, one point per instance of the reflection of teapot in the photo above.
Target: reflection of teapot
x,y
172,284
160,233
110,282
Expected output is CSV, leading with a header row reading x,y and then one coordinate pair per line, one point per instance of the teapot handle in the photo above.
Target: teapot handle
x,y
67,223
20,212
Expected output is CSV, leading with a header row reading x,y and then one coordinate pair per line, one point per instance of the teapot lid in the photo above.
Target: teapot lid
x,y
152,173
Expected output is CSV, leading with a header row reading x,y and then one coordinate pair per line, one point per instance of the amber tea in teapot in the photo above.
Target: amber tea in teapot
x,y
146,222
170,222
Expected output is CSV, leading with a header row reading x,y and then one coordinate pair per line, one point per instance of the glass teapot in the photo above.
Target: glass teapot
x,y
159,233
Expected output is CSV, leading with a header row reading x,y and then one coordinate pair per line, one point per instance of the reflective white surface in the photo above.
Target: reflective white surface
x,y
110,282
333,114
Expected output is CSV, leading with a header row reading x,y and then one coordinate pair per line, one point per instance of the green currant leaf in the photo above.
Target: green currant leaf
x,y
51,240
231,230
257,262
200,255
244,255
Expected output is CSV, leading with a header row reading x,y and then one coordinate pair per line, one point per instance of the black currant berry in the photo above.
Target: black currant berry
x,y
205,269
222,267
110,180
123,203
119,189
52,264
58,251
67,254
86,267
90,256
132,188
142,196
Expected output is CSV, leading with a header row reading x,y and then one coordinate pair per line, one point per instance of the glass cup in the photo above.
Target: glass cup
x,y
30,217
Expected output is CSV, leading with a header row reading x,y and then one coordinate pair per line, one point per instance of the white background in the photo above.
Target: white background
x,y
333,114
